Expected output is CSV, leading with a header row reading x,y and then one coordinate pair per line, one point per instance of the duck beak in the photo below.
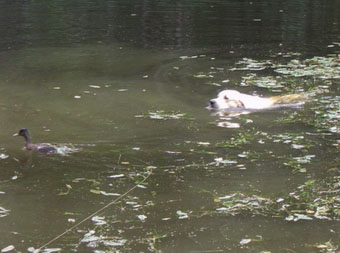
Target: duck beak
x,y
16,134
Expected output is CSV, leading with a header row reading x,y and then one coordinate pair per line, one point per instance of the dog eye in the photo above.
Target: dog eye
x,y
225,97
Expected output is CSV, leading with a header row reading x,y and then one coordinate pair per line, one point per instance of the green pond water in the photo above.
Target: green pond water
x,y
127,84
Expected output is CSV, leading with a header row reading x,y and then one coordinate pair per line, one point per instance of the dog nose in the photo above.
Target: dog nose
x,y
212,102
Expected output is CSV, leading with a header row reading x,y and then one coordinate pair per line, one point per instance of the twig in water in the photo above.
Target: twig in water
x,y
120,155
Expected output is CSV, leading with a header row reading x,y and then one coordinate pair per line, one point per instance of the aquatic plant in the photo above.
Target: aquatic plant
x,y
318,67
315,199
165,115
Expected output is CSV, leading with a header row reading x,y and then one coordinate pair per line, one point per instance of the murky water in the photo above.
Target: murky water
x,y
127,84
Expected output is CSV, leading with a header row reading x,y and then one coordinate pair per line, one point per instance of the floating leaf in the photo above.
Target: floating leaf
x,y
50,250
3,212
245,241
90,238
268,82
115,243
182,215
301,217
7,249
165,115
228,124
141,217
95,191
3,156
141,186
320,67
250,64
99,221
69,188
95,86
109,193
201,75
220,160
116,176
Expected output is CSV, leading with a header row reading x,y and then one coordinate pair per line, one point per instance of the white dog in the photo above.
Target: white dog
x,y
232,99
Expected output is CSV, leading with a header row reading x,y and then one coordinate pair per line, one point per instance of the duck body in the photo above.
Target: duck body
x,y
42,148
45,148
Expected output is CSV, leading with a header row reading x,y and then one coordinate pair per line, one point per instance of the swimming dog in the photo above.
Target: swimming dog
x,y
233,99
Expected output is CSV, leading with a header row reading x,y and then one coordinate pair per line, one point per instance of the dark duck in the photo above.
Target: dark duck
x,y
45,148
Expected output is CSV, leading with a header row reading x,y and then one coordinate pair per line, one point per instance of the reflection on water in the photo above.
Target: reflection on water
x,y
87,77
167,24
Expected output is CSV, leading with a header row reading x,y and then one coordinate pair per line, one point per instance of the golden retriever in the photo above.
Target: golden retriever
x,y
233,99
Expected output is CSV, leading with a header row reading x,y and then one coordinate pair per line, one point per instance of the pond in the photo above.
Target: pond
x,y
126,84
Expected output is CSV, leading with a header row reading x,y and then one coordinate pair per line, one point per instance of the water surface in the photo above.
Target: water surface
x,y
127,83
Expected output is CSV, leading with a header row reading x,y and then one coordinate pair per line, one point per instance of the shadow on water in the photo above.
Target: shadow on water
x,y
219,183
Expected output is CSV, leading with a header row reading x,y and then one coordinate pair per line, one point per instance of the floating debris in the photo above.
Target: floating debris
x,y
228,124
296,217
109,193
305,159
269,82
95,86
114,243
182,215
51,250
202,143
3,212
297,146
165,115
3,156
253,65
7,249
185,57
142,217
173,152
214,84
98,221
220,160
245,241
71,220
116,176
319,67
141,186
202,75
239,139
310,201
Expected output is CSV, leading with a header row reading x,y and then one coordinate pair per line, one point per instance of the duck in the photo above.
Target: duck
x,y
45,148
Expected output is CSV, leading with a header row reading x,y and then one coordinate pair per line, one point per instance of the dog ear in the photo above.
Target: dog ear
x,y
240,104
225,97
234,103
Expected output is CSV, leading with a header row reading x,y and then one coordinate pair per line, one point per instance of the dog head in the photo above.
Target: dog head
x,y
227,99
